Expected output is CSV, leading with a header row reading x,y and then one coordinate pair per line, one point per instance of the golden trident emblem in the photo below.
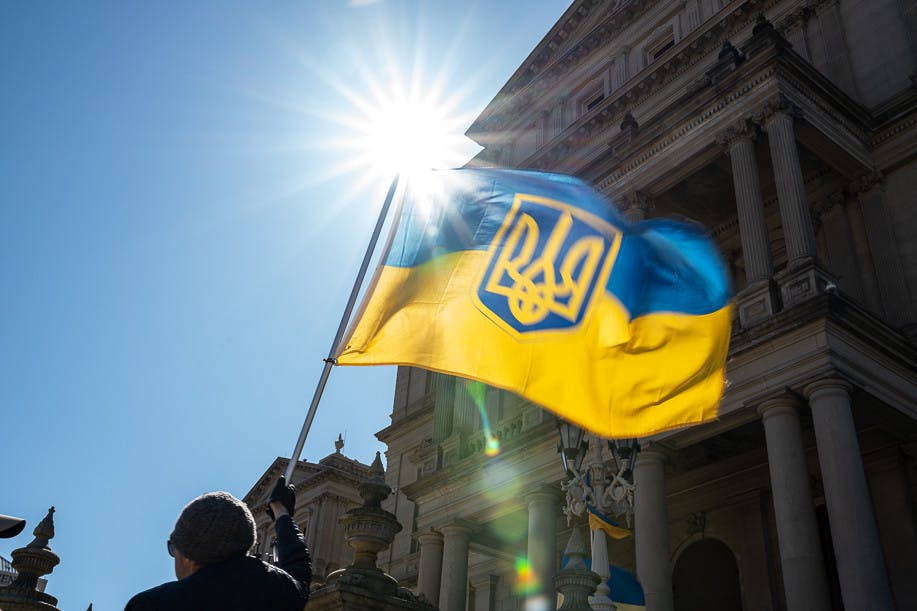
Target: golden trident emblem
x,y
557,280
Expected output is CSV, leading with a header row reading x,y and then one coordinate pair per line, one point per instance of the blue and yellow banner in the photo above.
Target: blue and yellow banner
x,y
534,283
600,521
625,590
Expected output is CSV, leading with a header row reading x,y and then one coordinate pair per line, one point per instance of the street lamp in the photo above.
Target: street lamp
x,y
591,486
573,446
10,526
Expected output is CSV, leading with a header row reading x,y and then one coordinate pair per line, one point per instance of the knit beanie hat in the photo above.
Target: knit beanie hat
x,y
214,527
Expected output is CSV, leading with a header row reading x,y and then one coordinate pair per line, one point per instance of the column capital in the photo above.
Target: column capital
x,y
780,404
775,108
828,386
639,205
460,528
544,493
429,536
647,456
864,183
744,129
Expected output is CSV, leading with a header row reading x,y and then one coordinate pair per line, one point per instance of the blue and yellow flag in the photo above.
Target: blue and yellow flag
x,y
600,521
625,590
534,283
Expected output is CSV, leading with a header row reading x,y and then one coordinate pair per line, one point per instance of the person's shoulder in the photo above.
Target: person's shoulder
x,y
160,597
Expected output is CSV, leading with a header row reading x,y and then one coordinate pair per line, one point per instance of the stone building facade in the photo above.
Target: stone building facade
x,y
789,129
325,491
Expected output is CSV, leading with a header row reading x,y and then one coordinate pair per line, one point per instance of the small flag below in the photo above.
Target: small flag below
x,y
600,521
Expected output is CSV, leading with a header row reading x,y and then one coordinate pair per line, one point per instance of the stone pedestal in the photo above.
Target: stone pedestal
x,y
802,281
32,562
575,582
756,303
362,586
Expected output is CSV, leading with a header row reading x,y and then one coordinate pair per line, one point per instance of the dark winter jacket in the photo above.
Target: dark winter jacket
x,y
244,583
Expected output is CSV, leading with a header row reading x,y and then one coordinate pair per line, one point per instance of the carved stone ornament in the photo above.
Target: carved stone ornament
x,y
779,105
744,128
866,182
575,582
31,563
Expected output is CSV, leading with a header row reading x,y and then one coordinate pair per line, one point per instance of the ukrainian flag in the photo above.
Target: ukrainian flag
x,y
534,283
625,591
600,521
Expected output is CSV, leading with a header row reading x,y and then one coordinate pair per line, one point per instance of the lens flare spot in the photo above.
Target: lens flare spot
x,y
501,481
526,580
537,603
492,448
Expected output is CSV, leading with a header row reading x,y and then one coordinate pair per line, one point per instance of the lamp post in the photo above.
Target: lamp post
x,y
591,484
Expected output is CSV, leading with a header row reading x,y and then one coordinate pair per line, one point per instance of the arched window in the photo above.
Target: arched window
x,y
707,577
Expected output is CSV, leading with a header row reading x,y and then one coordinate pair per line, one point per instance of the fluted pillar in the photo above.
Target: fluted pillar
x,y
638,206
857,550
791,189
431,565
651,531
750,204
542,539
485,593
453,590
865,268
804,581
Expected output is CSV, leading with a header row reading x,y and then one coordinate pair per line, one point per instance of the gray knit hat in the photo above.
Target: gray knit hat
x,y
214,527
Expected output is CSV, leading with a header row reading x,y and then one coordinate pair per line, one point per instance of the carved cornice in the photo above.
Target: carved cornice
x,y
544,67
514,102
693,49
801,16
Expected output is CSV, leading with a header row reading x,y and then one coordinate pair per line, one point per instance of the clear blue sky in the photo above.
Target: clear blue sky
x,y
181,218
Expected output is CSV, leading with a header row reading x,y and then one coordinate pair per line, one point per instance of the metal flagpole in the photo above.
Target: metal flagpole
x,y
345,318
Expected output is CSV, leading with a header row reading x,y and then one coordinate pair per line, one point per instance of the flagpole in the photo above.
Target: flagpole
x,y
345,318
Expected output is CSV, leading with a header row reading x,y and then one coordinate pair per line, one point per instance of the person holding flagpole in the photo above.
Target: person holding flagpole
x,y
210,545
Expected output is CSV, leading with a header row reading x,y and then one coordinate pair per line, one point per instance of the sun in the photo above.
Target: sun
x,y
407,134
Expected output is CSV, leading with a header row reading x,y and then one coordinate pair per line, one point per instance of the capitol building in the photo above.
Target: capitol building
x,y
788,128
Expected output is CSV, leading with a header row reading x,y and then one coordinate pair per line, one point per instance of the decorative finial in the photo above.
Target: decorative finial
x,y
728,51
44,532
762,25
339,444
576,551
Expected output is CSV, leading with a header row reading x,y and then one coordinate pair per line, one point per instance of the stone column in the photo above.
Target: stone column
x,y
804,580
865,268
886,253
485,590
791,189
465,408
453,590
444,387
860,563
542,541
431,565
750,204
638,206
651,531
